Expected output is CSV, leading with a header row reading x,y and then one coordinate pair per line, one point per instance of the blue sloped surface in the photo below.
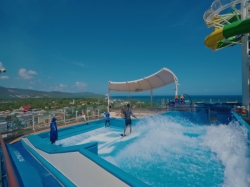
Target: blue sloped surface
x,y
47,147
73,130
23,169
47,178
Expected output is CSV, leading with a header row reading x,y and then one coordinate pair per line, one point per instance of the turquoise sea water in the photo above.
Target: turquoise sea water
x,y
194,98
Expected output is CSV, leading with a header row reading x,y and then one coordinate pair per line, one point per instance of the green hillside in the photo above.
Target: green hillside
x,y
26,93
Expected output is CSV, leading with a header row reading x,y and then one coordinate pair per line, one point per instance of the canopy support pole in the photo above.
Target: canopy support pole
x,y
176,87
151,96
108,96
108,101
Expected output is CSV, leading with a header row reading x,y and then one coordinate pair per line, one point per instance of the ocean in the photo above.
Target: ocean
x,y
194,98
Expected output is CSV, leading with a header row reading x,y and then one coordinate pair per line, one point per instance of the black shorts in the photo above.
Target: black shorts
x,y
128,122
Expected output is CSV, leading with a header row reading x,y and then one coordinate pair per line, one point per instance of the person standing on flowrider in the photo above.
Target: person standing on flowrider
x,y
107,117
127,113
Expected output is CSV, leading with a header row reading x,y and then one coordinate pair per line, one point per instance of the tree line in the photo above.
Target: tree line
x,y
49,103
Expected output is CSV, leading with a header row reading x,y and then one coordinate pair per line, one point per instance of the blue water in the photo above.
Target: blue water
x,y
47,178
172,151
195,98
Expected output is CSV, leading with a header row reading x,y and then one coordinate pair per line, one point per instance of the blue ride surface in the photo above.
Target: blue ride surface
x,y
90,150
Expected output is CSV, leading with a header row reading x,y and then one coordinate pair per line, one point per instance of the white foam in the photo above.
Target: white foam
x,y
230,144
163,137
163,141
106,138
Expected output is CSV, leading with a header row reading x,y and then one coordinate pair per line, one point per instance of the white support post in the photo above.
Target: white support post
x,y
245,60
176,89
108,96
64,113
33,122
108,101
49,119
151,96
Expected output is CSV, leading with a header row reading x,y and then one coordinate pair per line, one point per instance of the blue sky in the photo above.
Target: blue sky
x,y
78,46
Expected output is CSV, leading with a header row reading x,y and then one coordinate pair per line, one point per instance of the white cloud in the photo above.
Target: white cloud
x,y
1,65
31,72
32,82
30,87
4,77
81,85
62,85
26,74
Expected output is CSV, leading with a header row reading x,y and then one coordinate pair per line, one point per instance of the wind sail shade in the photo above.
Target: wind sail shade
x,y
159,79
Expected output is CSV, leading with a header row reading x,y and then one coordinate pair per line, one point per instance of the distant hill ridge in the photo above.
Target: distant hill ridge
x,y
27,93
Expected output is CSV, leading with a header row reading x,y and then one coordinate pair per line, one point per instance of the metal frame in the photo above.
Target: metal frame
x,y
151,88
212,18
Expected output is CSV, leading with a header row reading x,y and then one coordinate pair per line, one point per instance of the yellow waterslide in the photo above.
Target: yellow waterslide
x,y
211,41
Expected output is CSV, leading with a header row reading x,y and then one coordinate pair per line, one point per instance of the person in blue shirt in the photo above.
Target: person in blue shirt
x,y
182,101
176,99
9,126
127,113
53,131
171,103
107,116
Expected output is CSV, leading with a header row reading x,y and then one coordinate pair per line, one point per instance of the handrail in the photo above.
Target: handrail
x,y
78,119
189,98
9,169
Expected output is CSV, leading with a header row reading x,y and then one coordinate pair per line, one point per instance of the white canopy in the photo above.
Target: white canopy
x,y
159,79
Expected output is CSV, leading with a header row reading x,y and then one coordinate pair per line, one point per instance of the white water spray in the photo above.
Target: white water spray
x,y
172,151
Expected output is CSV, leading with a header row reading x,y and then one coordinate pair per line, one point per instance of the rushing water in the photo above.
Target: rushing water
x,y
167,151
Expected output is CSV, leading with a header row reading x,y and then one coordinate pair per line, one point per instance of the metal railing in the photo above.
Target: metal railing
x,y
35,125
